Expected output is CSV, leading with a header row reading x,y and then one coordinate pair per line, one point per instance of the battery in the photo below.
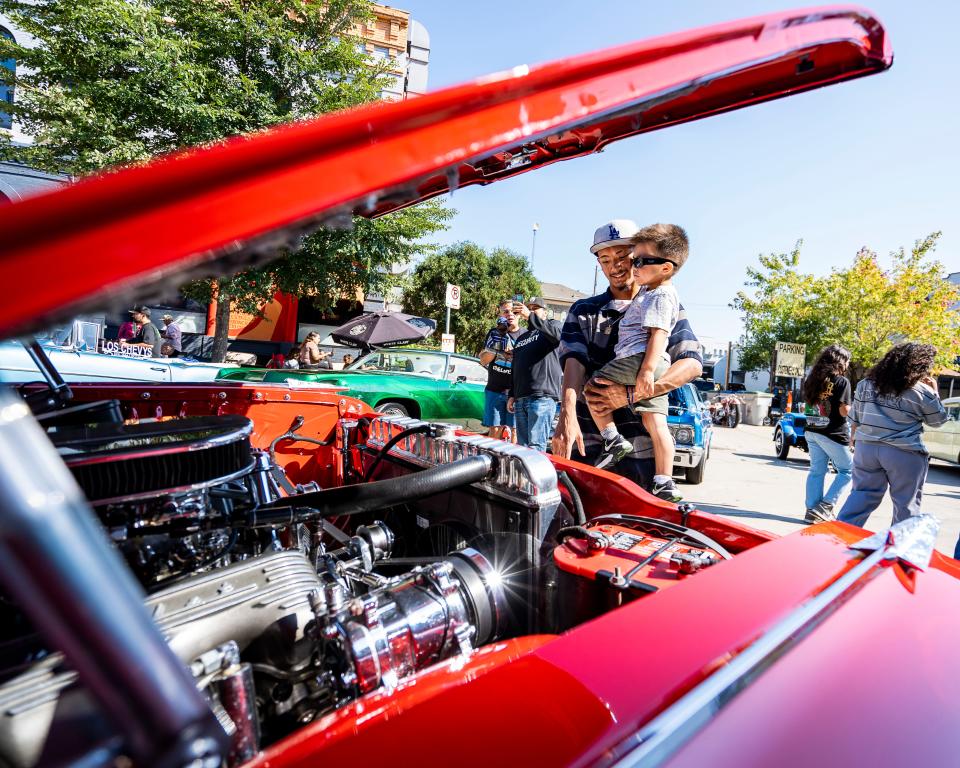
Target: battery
x,y
600,574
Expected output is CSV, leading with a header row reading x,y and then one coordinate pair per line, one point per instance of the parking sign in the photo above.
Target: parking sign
x,y
453,296
448,342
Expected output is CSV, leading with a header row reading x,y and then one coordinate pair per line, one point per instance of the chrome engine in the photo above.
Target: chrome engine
x,y
278,614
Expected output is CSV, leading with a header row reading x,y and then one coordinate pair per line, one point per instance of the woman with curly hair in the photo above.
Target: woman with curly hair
x,y
890,408
827,392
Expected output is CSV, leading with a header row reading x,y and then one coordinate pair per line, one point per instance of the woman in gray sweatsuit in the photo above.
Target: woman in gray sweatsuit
x,y
890,408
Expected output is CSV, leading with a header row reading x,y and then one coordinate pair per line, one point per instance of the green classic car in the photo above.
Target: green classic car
x,y
422,383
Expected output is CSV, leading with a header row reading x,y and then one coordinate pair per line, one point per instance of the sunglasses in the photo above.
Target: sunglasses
x,y
642,261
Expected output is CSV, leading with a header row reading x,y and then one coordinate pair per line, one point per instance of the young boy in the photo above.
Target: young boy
x,y
640,354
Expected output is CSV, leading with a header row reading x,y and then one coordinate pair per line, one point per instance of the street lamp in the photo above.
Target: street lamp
x,y
533,248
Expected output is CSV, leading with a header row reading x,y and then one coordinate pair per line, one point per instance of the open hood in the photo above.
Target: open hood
x,y
133,234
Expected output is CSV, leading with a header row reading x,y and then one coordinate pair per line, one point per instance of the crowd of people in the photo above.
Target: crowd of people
x,y
874,438
608,368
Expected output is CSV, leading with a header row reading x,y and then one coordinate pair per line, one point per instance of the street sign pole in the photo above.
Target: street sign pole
x,y
448,319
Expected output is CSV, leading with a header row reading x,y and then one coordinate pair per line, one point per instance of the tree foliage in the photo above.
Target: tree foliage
x,y
118,81
485,280
113,82
864,307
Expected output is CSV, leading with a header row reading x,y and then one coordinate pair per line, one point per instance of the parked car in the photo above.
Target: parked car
x,y
943,442
76,364
230,574
403,381
788,432
692,430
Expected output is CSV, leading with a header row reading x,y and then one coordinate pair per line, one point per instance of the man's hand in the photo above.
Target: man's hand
x,y
604,396
511,404
644,385
519,308
930,382
567,434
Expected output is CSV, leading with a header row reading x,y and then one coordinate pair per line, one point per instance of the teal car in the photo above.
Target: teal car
x,y
422,383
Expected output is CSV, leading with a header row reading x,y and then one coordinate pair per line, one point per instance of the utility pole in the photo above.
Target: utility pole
x,y
595,268
726,372
533,248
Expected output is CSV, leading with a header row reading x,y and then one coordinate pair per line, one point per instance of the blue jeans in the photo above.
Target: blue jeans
x,y
823,450
876,466
535,421
495,410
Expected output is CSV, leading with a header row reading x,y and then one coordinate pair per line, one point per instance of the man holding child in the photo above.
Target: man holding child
x,y
588,343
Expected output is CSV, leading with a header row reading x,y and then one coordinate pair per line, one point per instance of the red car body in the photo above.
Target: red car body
x,y
867,680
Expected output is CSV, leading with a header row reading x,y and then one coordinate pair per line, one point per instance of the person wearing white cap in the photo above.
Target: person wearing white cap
x,y
587,344
171,332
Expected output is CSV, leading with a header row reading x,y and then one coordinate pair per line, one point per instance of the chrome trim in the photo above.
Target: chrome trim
x,y
522,474
911,540
662,737
684,456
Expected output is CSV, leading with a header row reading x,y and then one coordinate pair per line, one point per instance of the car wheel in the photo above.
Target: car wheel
x,y
391,408
780,445
694,475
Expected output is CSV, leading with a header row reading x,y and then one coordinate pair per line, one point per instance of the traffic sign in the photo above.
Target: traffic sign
x,y
453,296
790,359
448,342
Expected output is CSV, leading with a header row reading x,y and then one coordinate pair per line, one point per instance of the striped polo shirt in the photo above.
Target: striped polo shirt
x,y
895,420
589,336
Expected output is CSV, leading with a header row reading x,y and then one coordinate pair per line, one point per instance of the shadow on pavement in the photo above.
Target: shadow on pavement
x,y
722,509
790,463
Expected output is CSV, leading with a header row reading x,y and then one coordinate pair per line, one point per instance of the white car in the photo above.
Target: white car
x,y
75,365
943,442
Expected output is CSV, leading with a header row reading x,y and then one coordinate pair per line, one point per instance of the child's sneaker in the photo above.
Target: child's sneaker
x,y
613,451
667,491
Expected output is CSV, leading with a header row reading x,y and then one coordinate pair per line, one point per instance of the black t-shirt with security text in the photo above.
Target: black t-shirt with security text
x,y
828,421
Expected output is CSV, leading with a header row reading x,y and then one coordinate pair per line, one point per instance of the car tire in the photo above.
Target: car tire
x,y
391,408
780,444
694,475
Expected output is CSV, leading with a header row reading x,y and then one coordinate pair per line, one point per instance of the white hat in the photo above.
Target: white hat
x,y
616,232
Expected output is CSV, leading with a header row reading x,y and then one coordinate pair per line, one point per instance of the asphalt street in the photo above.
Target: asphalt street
x,y
746,481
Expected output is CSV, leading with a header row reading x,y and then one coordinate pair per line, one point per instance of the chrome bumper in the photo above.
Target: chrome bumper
x,y
687,456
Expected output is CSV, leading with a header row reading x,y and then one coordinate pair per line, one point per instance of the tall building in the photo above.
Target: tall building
x,y
394,37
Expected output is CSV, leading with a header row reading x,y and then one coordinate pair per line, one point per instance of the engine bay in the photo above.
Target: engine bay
x,y
286,598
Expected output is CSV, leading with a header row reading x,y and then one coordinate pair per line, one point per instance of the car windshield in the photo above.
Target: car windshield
x,y
406,361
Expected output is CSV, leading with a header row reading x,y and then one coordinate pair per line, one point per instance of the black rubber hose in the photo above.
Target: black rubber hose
x,y
572,532
579,515
392,442
369,497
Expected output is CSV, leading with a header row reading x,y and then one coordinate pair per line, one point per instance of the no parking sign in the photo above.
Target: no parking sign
x,y
453,296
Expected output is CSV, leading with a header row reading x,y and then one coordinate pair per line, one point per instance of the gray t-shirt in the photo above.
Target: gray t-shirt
x,y
895,420
150,335
659,308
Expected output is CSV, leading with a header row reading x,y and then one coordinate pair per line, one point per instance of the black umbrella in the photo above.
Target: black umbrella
x,y
383,329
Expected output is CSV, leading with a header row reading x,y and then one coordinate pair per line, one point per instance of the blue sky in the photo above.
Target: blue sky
x,y
873,162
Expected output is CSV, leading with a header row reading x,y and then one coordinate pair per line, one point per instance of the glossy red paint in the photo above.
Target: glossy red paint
x,y
898,642
568,701
124,231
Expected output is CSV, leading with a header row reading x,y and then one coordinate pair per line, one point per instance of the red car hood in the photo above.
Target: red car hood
x,y
123,236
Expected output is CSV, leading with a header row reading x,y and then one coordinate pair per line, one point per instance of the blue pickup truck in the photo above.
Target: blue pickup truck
x,y
692,430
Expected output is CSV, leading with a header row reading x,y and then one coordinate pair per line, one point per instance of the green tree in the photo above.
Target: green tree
x,y
863,307
485,279
114,82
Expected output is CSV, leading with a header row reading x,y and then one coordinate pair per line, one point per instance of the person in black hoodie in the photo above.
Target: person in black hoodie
x,y
535,376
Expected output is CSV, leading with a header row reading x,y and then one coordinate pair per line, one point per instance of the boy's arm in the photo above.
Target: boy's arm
x,y
656,346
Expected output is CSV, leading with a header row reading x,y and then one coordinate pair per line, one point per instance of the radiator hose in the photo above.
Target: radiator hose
x,y
372,496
